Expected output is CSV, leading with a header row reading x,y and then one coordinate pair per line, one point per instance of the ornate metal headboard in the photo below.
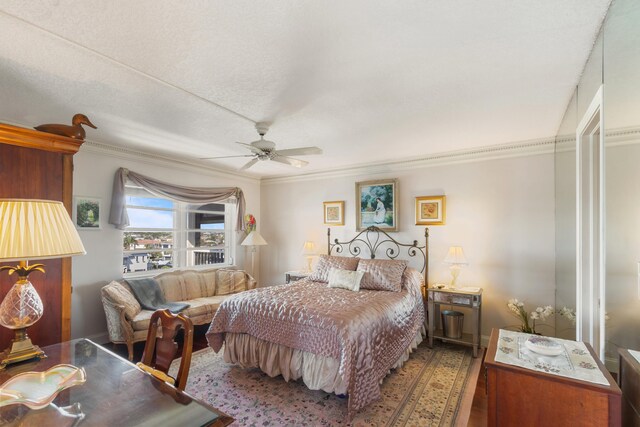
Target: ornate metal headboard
x,y
376,240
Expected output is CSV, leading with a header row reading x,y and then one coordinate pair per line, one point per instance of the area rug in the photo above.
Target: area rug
x,y
434,388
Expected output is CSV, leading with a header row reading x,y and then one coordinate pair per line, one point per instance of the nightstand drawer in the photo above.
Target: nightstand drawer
x,y
452,299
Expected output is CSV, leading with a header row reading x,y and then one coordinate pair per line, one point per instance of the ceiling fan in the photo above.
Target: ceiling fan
x,y
263,149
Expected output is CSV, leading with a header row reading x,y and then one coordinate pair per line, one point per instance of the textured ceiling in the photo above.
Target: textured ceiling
x,y
367,81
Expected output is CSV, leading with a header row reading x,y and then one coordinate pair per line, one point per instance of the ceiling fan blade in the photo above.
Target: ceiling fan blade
x,y
302,151
289,161
248,165
252,148
225,157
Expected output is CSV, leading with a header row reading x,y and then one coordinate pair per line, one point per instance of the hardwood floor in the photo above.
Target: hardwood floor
x,y
477,417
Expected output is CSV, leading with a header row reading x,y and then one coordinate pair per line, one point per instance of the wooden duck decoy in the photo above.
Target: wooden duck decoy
x,y
75,131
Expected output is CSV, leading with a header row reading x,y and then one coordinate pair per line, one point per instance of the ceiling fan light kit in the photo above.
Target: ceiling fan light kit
x,y
263,149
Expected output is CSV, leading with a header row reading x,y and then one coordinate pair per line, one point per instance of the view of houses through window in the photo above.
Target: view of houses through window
x,y
164,234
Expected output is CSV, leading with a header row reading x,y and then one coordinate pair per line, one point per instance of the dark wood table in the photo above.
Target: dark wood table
x,y
116,393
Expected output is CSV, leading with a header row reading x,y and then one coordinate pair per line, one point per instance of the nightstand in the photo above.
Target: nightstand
x,y
470,298
295,275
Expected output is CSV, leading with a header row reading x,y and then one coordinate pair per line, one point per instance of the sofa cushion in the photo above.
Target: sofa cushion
x,y
121,295
191,282
172,286
198,284
204,306
230,281
141,321
208,281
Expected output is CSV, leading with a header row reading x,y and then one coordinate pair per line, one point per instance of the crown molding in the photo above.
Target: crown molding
x,y
493,152
534,147
161,160
613,138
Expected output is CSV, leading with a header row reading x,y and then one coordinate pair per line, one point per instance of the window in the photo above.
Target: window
x,y
164,234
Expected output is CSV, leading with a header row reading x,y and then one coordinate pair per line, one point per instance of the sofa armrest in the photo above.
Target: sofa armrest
x,y
120,329
251,282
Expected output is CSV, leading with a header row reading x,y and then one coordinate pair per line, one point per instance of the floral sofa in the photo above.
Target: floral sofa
x,y
203,290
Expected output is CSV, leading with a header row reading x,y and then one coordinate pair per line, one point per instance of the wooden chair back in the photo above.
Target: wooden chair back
x,y
159,352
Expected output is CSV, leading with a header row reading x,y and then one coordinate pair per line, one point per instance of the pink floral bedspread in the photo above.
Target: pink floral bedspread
x,y
367,331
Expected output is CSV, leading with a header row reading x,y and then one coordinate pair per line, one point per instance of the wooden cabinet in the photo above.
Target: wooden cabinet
x,y
523,397
629,381
38,165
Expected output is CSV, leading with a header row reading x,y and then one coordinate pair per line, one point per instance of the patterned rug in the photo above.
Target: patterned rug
x,y
426,391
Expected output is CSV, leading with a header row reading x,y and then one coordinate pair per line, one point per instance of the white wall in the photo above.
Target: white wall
x,y
501,211
93,176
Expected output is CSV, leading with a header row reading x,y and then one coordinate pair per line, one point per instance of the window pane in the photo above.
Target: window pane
x,y
134,240
146,260
205,220
208,207
149,202
146,218
211,239
208,247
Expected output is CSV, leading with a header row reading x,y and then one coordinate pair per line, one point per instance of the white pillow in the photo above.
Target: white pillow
x,y
345,279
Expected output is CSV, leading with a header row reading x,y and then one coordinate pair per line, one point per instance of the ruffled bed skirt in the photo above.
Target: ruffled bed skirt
x,y
317,372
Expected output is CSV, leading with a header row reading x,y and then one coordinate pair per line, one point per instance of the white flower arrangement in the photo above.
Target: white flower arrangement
x,y
518,310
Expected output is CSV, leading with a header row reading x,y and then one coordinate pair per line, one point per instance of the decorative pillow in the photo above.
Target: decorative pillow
x,y
120,295
326,263
345,279
382,274
230,281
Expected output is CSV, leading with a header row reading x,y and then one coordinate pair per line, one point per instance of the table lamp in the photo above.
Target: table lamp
x,y
309,250
253,239
30,230
456,259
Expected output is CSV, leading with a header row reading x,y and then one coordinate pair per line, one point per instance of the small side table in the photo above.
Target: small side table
x,y
292,276
459,298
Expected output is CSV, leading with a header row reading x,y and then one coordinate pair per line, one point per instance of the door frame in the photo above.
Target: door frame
x,y
592,287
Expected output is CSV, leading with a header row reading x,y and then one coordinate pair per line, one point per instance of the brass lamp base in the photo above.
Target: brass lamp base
x,y
21,349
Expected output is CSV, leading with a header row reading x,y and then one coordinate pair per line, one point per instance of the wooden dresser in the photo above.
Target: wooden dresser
x,y
38,165
629,381
523,397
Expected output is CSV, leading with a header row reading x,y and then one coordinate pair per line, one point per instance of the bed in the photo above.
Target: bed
x,y
334,339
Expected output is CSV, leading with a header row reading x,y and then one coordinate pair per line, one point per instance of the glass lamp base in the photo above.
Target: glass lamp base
x,y
22,306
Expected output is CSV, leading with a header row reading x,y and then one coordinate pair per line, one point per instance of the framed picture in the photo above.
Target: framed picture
x,y
86,213
377,204
334,213
430,210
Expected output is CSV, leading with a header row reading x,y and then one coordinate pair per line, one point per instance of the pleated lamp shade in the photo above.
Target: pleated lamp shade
x,y
36,229
308,248
456,256
254,239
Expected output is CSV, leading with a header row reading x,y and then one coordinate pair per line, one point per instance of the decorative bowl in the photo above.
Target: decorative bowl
x,y
544,345
38,389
